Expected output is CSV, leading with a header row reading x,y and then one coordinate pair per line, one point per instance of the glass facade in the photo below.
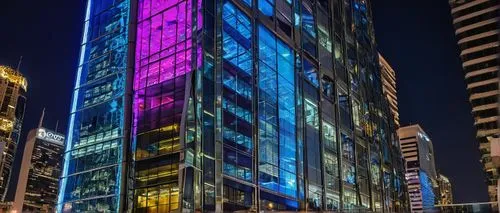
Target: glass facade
x,y
93,168
160,104
40,171
244,105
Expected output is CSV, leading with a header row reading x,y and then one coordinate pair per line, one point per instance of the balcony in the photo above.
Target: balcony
x,y
495,150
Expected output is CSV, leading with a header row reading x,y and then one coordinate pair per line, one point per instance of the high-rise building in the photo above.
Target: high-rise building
x,y
421,172
389,87
445,190
38,180
231,105
12,104
477,31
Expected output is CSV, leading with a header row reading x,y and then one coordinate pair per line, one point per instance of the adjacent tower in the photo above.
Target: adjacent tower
x,y
421,174
13,88
38,182
445,190
389,87
232,105
477,30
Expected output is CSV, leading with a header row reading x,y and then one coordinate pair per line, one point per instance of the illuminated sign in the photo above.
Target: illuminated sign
x,y
50,136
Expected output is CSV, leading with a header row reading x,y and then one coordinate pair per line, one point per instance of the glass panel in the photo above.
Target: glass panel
x,y
277,123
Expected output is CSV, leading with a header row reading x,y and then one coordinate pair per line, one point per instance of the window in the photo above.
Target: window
x,y
328,88
311,73
356,110
347,148
163,198
266,7
237,33
329,136
311,113
345,110
331,170
237,93
276,106
315,197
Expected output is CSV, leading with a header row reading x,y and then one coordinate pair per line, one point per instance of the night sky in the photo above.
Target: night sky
x,y
416,38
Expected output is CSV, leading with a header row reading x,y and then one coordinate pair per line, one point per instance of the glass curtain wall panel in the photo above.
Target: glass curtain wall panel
x,y
92,175
236,105
164,130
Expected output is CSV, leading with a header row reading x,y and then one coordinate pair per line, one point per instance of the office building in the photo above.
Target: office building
x,y
38,180
477,32
389,87
445,190
421,173
12,104
231,105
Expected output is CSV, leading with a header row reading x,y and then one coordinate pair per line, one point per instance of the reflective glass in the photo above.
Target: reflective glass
x,y
277,123
237,93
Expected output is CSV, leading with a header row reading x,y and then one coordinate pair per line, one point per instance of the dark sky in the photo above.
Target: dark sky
x,y
416,37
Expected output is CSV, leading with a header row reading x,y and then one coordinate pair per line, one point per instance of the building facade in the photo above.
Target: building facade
x,y
421,172
231,105
13,88
389,87
445,190
477,31
93,175
37,186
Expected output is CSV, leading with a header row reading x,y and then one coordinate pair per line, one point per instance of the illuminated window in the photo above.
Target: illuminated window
x,y
329,136
356,113
276,115
350,199
311,73
162,198
311,113
331,170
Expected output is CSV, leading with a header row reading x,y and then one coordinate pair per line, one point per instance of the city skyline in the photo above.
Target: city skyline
x,y
61,113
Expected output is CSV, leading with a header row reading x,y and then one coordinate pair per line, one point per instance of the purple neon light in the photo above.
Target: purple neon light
x,y
163,52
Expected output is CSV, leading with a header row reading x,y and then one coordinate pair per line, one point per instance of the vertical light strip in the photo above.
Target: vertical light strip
x,y
67,153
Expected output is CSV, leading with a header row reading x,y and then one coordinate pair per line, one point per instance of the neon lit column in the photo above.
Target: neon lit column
x,y
162,105
92,172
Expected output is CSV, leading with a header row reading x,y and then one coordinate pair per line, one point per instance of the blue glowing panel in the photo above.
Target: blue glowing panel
x,y
277,119
266,7
428,196
91,175
237,93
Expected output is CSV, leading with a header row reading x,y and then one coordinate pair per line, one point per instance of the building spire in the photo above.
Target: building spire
x,y
41,118
18,69
57,125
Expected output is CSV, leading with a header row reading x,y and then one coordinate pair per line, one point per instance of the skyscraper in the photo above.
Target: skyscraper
x,y
231,105
421,174
94,171
389,87
445,190
36,189
12,104
477,31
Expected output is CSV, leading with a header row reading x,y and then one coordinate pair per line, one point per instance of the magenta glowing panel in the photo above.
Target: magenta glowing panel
x,y
163,54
